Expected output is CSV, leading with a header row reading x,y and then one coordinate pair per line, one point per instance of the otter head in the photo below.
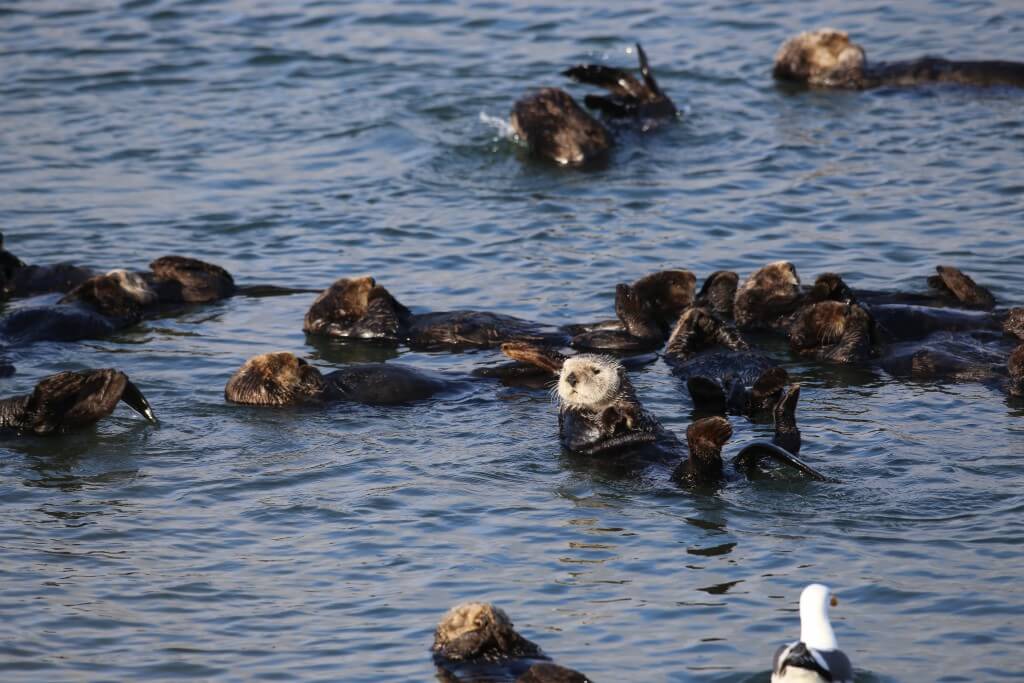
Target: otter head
x,y
274,379
589,382
666,294
771,292
832,330
825,57
554,127
1013,324
117,294
830,287
1016,367
357,308
190,280
479,630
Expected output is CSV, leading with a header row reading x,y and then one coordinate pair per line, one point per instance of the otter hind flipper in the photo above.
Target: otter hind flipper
x,y
645,70
134,399
542,357
708,434
546,672
68,400
616,109
750,456
962,287
616,81
787,434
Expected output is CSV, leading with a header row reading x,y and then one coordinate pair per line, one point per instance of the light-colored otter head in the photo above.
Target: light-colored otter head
x,y
134,285
274,379
824,57
771,291
589,381
479,630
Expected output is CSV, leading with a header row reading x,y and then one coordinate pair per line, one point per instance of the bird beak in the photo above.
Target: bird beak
x,y
835,601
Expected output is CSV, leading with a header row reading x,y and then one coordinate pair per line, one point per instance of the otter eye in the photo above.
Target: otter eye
x,y
597,371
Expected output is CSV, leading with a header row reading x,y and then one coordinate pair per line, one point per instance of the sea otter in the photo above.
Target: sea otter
x,y
599,414
826,58
360,309
280,379
70,400
119,299
721,372
554,127
476,642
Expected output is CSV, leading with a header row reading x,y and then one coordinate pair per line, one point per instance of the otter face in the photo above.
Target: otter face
x,y
133,285
772,291
274,379
478,630
589,382
832,330
825,57
118,294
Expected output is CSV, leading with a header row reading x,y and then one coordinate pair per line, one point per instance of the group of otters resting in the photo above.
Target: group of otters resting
x,y
953,331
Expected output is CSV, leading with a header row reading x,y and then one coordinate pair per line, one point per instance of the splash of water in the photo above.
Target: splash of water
x,y
501,125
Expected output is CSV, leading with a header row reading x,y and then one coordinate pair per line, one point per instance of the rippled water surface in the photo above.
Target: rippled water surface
x,y
295,143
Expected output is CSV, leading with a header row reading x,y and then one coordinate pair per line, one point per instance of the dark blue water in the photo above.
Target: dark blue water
x,y
296,143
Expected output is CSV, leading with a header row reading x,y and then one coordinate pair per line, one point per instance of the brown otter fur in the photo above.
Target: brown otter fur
x,y
554,127
833,331
827,58
190,280
71,400
768,295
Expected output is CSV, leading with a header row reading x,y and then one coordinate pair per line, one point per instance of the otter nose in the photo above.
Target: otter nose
x,y
571,379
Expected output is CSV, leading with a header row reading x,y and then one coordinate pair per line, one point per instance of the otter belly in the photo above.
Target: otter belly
x,y
382,384
55,323
726,367
907,323
474,329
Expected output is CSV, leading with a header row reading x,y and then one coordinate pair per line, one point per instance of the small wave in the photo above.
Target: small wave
x,y
499,124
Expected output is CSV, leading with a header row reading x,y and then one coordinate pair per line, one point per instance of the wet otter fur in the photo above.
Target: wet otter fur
x,y
646,310
477,641
19,279
827,58
71,400
629,99
833,331
721,372
554,127
767,297
281,379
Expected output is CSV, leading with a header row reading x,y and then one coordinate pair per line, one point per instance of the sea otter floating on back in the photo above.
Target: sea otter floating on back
x,y
827,58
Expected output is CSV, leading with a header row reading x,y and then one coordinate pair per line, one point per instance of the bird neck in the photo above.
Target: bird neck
x,y
815,629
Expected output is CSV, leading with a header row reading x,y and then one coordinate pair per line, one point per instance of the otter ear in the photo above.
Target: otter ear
x,y
542,357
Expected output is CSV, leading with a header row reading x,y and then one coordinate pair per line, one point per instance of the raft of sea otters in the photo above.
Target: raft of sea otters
x,y
950,329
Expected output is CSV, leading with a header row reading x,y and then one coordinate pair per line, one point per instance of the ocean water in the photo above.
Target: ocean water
x,y
295,143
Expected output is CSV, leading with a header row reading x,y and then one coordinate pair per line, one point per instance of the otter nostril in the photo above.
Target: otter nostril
x,y
570,379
